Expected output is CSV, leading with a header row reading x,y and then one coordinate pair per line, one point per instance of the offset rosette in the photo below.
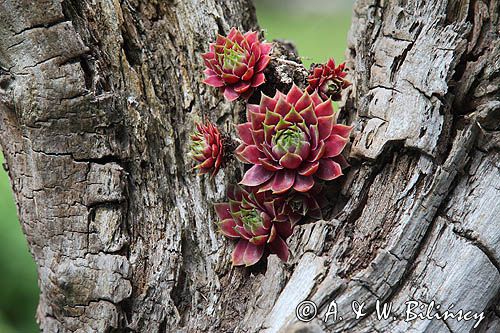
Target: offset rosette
x,y
254,219
328,81
207,148
235,63
292,140
298,206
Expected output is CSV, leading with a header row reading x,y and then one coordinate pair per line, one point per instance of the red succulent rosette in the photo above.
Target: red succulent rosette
x,y
235,63
328,81
207,148
292,140
253,218
298,206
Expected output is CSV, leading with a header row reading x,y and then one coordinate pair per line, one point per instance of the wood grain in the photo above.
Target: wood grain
x,y
97,100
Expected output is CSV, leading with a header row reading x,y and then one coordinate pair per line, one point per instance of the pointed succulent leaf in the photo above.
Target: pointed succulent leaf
x,y
303,183
279,247
256,176
253,253
283,181
239,252
227,228
328,169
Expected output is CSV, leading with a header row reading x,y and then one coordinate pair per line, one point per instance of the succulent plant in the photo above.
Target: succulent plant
x,y
207,148
253,219
298,206
327,80
235,63
292,140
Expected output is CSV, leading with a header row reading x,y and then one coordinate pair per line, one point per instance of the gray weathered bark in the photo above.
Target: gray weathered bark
x,y
97,99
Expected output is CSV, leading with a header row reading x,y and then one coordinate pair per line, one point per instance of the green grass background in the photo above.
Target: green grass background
x,y
318,35
18,280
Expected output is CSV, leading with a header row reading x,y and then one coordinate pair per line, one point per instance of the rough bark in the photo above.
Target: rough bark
x,y
97,99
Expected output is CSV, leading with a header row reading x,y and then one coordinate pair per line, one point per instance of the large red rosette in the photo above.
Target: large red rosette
x,y
292,140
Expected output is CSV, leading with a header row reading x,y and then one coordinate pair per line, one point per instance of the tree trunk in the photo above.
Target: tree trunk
x,y
97,100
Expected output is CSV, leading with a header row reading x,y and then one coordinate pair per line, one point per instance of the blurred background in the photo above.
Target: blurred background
x,y
18,280
319,30
317,27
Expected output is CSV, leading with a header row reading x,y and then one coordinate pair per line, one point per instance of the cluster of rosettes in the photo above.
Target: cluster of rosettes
x,y
262,221
257,221
292,142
